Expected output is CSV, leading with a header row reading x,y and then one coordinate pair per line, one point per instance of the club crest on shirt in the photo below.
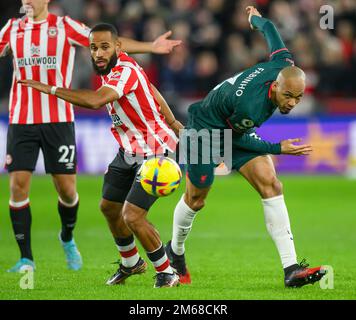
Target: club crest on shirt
x,y
115,75
247,123
52,32
244,125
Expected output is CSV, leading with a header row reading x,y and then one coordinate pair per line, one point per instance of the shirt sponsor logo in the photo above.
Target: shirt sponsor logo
x,y
48,62
246,81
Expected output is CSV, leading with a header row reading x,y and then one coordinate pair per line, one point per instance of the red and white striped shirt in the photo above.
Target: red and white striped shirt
x,y
43,51
138,125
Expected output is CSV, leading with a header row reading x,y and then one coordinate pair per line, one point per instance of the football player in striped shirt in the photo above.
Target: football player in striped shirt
x,y
43,48
143,126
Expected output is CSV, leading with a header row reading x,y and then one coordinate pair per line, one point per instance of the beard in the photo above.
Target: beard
x,y
284,112
104,71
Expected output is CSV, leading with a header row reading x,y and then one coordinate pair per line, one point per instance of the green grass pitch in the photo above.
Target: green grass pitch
x,y
229,252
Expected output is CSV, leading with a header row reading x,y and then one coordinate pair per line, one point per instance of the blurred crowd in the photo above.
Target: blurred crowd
x,y
219,43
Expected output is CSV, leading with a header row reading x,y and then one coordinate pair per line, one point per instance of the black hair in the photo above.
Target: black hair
x,y
105,27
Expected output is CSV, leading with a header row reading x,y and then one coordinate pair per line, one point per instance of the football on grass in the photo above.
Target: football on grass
x,y
160,177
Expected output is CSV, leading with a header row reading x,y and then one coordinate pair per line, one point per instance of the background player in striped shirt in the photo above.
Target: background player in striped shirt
x,y
43,48
143,125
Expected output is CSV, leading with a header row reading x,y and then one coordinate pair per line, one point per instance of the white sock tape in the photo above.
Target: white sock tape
x,y
19,204
72,204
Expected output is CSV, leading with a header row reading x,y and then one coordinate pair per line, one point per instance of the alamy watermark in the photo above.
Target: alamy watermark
x,y
327,282
195,146
27,281
327,20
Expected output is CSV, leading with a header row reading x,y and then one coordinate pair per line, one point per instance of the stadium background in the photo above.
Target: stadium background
x,y
217,44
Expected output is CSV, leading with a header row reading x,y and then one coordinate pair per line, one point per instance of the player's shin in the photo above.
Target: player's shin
x,y
278,226
68,213
20,214
182,224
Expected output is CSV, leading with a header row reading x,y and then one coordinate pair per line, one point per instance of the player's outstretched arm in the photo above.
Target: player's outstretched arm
x,y
273,38
172,122
251,143
78,34
83,98
161,45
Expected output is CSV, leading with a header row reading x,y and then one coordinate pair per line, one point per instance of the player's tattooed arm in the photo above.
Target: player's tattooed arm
x,y
161,45
172,122
89,99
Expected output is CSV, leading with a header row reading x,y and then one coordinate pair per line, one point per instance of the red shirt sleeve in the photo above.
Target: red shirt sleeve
x,y
5,39
77,32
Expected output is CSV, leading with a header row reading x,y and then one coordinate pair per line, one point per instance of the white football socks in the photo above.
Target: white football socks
x,y
182,224
278,226
129,255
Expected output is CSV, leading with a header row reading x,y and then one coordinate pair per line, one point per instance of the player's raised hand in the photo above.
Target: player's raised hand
x,y
288,147
45,88
163,45
252,11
